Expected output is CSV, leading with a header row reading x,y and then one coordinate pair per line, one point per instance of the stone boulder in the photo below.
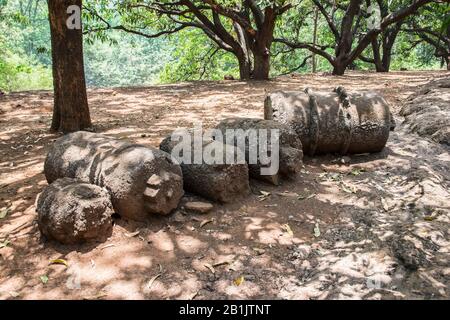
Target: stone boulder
x,y
71,212
141,180
217,181
290,147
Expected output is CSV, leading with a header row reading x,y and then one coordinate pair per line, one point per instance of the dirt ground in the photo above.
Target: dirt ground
x,y
375,228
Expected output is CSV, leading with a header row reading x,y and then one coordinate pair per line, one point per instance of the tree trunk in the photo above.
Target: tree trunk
x,y
386,62
242,53
70,111
245,67
262,44
262,66
339,67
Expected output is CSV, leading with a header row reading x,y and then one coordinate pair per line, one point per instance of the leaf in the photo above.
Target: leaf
x,y
304,197
132,235
97,296
4,213
264,195
59,261
193,296
150,283
239,281
384,204
347,188
44,279
259,251
205,222
4,244
221,263
317,230
288,194
288,229
356,172
429,218
108,246
210,268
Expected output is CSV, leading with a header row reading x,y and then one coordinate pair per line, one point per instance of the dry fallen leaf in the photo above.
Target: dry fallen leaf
x,y
384,204
108,246
193,296
348,188
221,263
150,283
210,268
4,213
14,294
44,279
317,230
259,251
132,235
304,197
59,261
288,229
4,244
97,296
205,222
239,281
264,195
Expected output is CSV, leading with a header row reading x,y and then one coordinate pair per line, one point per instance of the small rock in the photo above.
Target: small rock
x,y
346,160
178,217
199,207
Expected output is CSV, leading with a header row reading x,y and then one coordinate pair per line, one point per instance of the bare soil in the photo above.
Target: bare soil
x,y
374,227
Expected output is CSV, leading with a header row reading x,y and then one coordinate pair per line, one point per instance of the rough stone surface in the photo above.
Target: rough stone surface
x,y
199,207
141,180
362,127
290,152
218,182
71,211
427,112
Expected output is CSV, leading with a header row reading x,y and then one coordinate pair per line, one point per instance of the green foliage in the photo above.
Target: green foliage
x,y
125,60
17,73
22,66
194,57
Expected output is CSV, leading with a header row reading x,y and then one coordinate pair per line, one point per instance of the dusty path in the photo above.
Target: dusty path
x,y
383,219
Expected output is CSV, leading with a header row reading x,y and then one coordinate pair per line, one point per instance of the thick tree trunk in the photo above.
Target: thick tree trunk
x,y
339,67
262,44
71,111
262,66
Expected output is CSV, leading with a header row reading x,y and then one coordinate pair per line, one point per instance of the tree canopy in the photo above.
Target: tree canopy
x,y
167,40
